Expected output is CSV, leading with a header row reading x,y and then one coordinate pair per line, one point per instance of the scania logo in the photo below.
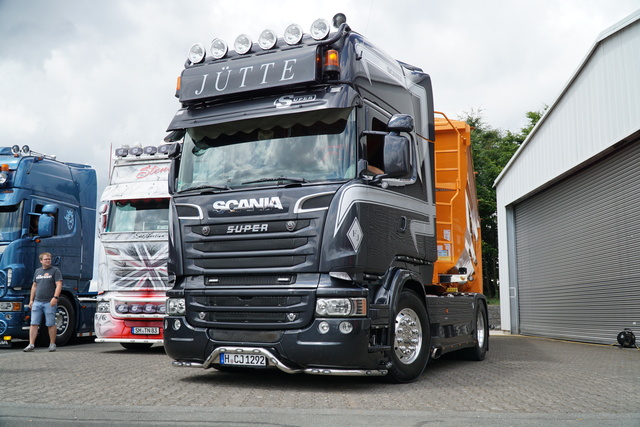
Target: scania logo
x,y
262,203
288,100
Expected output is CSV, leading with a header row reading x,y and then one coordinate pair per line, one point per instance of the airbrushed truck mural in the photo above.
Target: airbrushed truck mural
x,y
133,230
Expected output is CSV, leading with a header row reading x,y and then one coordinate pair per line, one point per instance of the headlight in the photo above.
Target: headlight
x,y
341,307
176,307
10,306
103,307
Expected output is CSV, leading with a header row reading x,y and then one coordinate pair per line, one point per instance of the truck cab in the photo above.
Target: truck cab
x,y
303,207
45,206
133,240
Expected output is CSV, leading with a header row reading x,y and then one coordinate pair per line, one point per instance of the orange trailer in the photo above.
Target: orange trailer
x,y
459,264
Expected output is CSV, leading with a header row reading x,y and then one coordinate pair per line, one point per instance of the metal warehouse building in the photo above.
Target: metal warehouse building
x,y
569,204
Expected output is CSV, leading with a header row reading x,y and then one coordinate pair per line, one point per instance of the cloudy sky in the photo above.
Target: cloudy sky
x,y
80,76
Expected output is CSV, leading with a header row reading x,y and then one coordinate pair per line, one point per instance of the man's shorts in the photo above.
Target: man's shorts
x,y
43,307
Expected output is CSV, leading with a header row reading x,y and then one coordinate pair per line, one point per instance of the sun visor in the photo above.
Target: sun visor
x,y
294,102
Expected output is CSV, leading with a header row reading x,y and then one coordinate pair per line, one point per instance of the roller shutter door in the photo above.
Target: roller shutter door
x,y
578,253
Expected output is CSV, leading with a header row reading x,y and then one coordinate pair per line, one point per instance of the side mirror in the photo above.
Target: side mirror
x,y
174,150
46,225
400,123
396,156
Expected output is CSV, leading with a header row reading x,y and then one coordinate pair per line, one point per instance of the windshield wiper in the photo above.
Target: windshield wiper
x,y
280,178
207,187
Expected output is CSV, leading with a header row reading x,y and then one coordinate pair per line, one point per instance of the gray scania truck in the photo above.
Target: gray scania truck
x,y
303,230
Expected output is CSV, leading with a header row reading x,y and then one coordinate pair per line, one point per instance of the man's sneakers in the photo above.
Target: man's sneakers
x,y
31,347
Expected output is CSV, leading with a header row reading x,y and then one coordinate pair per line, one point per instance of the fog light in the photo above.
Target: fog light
x,y
323,327
103,307
202,315
345,327
176,324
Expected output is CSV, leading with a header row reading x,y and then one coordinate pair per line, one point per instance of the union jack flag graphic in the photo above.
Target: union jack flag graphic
x,y
137,265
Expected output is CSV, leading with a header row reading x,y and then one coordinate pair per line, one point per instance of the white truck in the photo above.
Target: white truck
x,y
132,231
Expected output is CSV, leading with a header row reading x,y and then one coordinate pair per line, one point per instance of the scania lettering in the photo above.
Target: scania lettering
x,y
306,231
133,226
46,206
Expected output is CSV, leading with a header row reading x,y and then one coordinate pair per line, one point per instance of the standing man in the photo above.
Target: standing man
x,y
45,291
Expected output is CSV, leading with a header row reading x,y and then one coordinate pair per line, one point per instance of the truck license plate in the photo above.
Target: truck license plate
x,y
243,359
142,330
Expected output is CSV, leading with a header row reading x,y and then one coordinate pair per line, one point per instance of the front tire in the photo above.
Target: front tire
x,y
411,339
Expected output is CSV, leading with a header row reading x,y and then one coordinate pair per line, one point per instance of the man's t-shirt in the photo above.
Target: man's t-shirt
x,y
46,282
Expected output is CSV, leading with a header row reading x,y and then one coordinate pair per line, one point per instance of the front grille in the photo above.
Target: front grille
x,y
252,245
261,309
259,280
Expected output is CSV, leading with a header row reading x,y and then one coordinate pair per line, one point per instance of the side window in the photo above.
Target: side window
x,y
375,148
373,153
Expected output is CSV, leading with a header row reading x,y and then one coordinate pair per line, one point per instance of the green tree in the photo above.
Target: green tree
x,y
492,149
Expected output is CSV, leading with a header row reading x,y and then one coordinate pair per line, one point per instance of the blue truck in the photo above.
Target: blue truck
x,y
45,206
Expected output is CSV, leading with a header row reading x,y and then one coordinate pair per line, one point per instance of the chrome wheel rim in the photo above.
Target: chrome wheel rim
x,y
62,320
408,337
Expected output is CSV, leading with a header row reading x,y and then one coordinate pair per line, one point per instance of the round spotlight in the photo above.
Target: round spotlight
x,y
197,53
293,34
345,327
320,29
219,48
243,44
323,327
267,39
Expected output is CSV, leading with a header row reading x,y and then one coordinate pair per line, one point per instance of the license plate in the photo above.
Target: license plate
x,y
243,359
5,343
141,330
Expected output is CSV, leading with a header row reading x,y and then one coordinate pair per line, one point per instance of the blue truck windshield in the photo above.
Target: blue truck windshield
x,y
10,220
309,147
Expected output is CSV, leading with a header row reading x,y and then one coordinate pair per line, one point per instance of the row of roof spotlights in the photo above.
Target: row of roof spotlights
x,y
267,40
149,150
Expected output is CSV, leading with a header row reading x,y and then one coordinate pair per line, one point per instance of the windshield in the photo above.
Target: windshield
x,y
10,218
139,215
307,147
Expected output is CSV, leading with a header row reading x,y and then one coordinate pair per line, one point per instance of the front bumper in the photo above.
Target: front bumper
x,y
292,351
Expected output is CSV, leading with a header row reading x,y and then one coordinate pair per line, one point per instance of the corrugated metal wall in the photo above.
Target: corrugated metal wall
x,y
578,253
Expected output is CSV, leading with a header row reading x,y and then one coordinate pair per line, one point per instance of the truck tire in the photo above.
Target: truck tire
x,y
411,339
65,321
136,345
479,351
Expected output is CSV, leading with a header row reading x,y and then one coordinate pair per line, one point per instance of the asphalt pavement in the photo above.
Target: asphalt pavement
x,y
524,381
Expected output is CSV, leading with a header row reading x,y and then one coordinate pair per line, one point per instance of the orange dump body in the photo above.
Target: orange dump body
x,y
457,216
